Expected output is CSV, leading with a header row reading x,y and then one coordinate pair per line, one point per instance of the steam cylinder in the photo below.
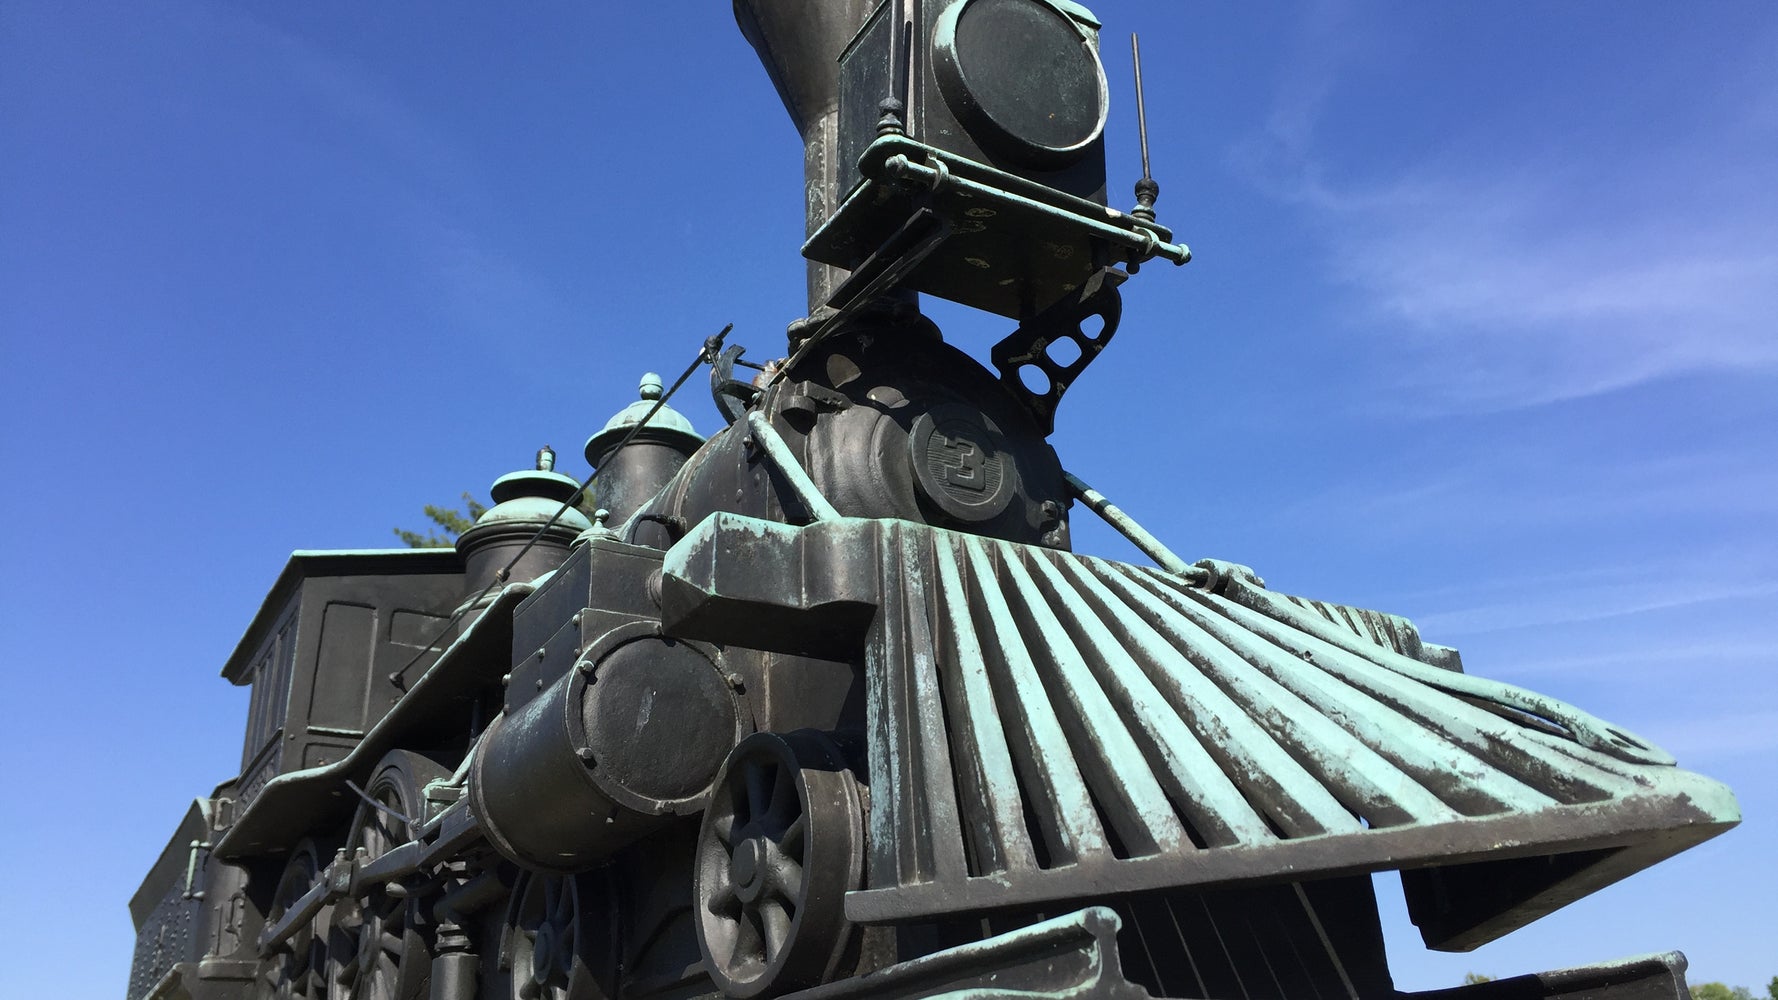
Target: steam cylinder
x,y
630,738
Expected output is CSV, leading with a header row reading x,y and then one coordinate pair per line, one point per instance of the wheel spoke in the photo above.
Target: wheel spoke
x,y
384,978
792,841
783,803
767,914
758,794
777,927
552,891
724,902
566,898
748,945
723,826
787,878
368,956
549,906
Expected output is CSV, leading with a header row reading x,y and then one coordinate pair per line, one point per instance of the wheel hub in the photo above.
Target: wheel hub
x,y
746,868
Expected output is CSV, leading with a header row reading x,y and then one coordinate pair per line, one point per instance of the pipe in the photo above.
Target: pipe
x,y
800,42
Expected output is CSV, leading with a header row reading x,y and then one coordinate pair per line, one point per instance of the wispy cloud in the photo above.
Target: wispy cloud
x,y
1516,274
1694,740
1743,579
1512,294
1542,607
1661,660
1540,486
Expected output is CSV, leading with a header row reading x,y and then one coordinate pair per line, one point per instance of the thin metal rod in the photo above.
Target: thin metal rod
x,y
1141,241
795,476
1141,111
707,354
1126,526
891,274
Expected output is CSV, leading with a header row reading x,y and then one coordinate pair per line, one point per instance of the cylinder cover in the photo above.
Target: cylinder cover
x,y
628,739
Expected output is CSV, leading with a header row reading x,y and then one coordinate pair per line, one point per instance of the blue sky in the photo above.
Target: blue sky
x,y
1480,331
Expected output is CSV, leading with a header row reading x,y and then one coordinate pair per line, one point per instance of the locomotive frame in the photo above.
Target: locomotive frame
x,y
826,705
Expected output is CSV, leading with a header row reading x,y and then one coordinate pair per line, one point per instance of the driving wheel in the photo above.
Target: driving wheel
x,y
559,943
296,971
375,951
780,846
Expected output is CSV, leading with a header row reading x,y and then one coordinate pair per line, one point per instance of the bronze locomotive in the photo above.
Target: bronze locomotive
x,y
827,704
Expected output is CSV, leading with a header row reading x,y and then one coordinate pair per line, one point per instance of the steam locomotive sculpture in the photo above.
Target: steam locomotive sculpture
x,y
826,705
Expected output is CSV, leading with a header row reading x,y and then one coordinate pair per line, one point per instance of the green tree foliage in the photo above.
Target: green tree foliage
x,y
1719,991
449,522
1772,988
1476,978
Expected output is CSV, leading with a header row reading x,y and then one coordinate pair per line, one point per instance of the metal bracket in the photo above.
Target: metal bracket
x,y
903,251
191,869
1027,350
732,395
784,460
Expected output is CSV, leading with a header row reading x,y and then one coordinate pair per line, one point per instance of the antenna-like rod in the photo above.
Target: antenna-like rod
x,y
1146,188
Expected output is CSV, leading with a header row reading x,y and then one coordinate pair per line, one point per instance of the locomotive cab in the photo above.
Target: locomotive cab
x,y
325,654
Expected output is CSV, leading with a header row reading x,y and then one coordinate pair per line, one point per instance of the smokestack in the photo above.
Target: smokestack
x,y
800,41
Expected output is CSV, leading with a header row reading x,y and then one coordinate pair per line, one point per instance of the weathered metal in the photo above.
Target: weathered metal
x,y
618,746
649,454
1047,727
324,654
827,706
1042,358
525,534
781,846
1016,247
799,44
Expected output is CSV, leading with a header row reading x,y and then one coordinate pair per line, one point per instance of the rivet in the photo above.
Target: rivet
x,y
585,754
